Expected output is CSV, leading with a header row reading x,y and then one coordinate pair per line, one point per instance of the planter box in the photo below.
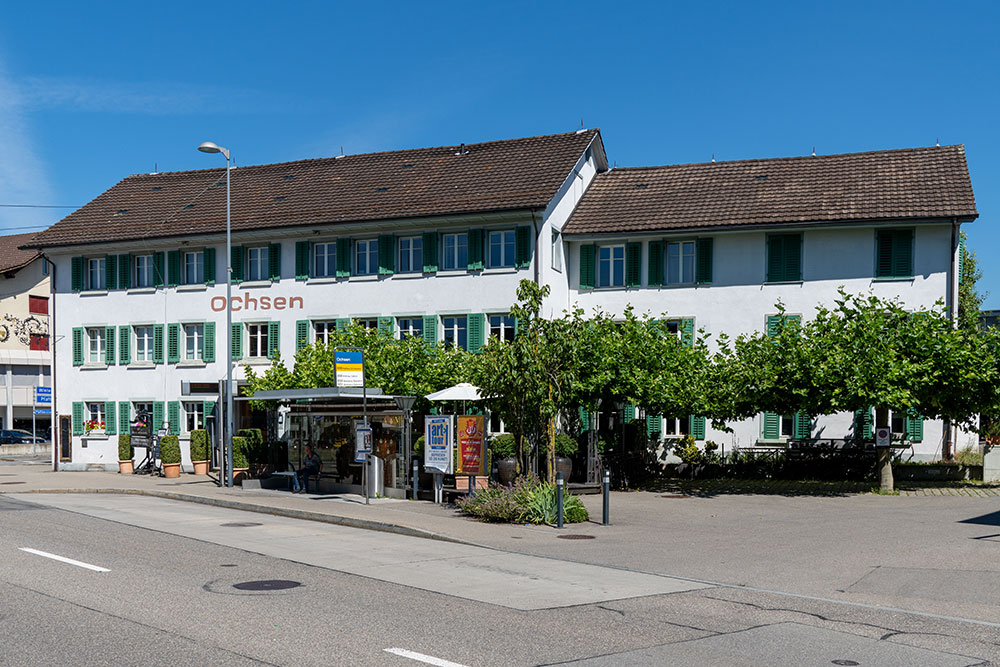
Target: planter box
x,y
991,463
937,472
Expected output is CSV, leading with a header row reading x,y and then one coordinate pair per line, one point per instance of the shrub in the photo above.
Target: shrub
x,y
255,450
970,456
687,451
565,445
240,452
418,447
199,445
125,449
527,500
502,446
170,449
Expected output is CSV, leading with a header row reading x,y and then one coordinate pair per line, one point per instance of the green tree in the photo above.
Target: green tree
x,y
969,300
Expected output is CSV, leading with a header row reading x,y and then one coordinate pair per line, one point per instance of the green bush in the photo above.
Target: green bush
x,y
199,445
687,450
565,445
527,500
170,449
240,445
418,447
970,456
502,446
255,450
125,449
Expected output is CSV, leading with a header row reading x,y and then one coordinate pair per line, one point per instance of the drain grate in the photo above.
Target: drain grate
x,y
13,482
674,495
576,537
846,663
267,585
240,524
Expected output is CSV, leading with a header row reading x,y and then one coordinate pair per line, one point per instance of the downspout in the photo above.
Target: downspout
x,y
950,435
54,417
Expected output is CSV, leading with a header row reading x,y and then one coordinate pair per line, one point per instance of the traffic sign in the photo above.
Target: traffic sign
x,y
43,390
44,411
882,437
43,395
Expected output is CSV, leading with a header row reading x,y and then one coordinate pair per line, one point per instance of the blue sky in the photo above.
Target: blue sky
x,y
93,92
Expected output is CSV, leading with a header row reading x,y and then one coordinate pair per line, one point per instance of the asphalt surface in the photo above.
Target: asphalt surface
x,y
173,598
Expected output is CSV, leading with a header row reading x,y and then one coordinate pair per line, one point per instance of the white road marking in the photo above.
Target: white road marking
x,y
429,659
63,559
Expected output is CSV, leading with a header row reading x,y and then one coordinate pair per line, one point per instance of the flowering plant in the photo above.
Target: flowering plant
x,y
93,425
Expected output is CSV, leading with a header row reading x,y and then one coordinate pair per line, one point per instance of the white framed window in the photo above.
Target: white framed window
x,y
676,426
370,323
140,407
456,331
502,327
96,345
456,251
96,275
194,342
95,416
324,331
611,266
501,249
410,327
411,254
257,340
143,343
324,260
366,257
194,415
556,243
143,271
194,267
258,264
680,263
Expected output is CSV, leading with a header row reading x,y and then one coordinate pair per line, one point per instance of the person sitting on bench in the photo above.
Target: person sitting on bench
x,y
311,466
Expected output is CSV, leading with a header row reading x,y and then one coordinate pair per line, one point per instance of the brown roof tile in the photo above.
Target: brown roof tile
x,y
493,176
913,183
12,257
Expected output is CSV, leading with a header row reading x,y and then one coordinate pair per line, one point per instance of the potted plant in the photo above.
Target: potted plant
x,y
254,450
566,447
199,451
170,456
502,449
240,465
94,426
126,465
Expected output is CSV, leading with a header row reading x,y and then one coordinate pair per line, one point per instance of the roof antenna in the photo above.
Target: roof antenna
x,y
155,170
938,142
713,157
341,150
461,150
581,123
814,151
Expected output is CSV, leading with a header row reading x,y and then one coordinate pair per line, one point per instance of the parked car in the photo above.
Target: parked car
x,y
18,437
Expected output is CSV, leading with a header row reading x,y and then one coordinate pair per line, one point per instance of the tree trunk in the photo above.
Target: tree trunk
x,y
884,453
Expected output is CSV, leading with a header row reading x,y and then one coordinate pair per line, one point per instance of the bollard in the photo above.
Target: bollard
x,y
416,478
559,499
606,488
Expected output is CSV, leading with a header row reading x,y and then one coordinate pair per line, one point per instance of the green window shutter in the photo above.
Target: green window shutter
x,y
784,257
109,345
584,419
914,426
430,329
770,425
386,255
303,250
803,425
633,264
476,249
477,325
343,258
209,266
124,416
773,324
343,323
629,413
173,268
174,417
157,343
430,249
208,408
274,261
77,273
703,261
111,271
697,427
77,417
902,253
110,418
775,258
273,340
863,420
385,325
157,269
157,415
173,343
588,256
687,331
654,425
124,271
301,334
77,346
793,257
208,345
236,338
522,247
236,261
655,269
124,345
883,254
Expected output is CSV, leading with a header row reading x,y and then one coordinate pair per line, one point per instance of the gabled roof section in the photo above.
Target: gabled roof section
x,y
12,258
906,184
448,180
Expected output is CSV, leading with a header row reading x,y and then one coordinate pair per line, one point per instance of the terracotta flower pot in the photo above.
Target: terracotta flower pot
x,y
240,474
200,467
126,467
506,468
171,470
564,464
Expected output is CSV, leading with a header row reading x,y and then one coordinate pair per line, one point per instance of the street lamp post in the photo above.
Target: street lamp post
x,y
227,440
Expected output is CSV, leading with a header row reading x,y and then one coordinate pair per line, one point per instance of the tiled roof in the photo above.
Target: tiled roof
x,y
913,183
494,176
12,258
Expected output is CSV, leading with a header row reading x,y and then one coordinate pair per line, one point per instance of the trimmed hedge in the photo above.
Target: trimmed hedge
x,y
502,446
240,445
566,445
199,445
170,449
125,449
255,450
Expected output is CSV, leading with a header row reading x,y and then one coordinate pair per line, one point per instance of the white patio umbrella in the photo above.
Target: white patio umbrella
x,y
463,391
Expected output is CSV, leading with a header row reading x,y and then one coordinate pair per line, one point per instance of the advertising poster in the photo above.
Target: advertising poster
x,y
472,445
438,443
349,368
362,443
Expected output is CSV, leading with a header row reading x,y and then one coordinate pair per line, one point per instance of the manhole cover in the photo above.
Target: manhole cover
x,y
267,585
673,495
12,482
845,662
240,524
575,537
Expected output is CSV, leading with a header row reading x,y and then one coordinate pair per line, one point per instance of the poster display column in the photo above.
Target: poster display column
x,y
439,449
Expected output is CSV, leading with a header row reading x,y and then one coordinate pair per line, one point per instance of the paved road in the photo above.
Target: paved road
x,y
173,594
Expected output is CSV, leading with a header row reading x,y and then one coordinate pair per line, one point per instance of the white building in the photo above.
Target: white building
x,y
433,242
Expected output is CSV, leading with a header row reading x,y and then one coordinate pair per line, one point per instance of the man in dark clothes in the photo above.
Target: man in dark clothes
x,y
311,466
